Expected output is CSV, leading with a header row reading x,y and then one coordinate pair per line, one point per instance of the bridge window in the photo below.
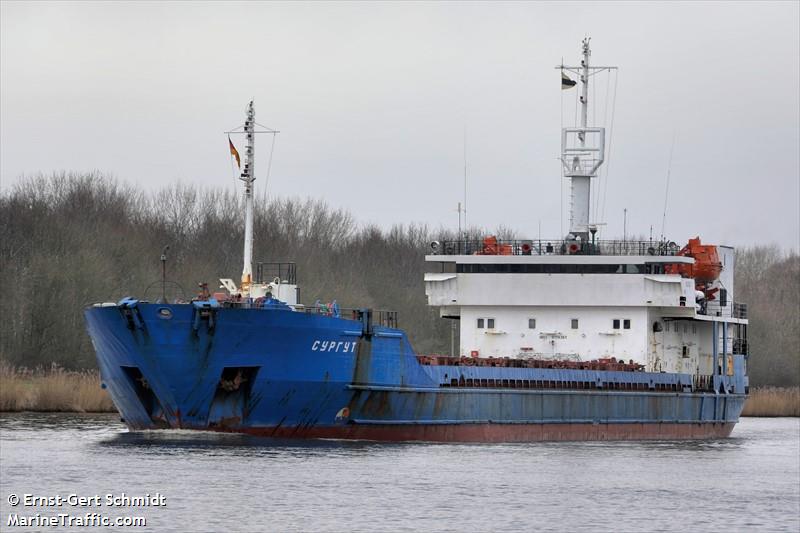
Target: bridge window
x,y
490,323
626,324
574,323
531,323
616,323
480,323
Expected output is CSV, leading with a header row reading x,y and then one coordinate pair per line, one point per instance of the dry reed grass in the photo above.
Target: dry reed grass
x,y
52,390
773,401
59,390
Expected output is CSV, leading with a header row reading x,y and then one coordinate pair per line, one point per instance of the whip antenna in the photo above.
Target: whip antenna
x,y
666,191
466,230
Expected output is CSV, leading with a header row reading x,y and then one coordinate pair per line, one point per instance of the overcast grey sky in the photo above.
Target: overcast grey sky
x,y
372,101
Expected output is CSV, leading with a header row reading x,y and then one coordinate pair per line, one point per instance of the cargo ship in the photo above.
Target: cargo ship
x,y
574,338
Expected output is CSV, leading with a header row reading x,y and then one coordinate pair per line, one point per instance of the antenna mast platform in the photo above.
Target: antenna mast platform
x,y
582,151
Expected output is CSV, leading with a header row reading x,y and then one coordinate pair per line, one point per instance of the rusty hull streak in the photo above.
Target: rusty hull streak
x,y
377,404
199,384
361,371
314,410
286,397
497,432
250,406
363,361
228,423
275,430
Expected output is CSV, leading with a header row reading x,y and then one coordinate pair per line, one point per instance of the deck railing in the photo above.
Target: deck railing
x,y
286,272
380,317
740,346
733,310
554,247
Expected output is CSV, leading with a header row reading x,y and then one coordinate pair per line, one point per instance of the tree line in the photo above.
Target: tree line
x,y
70,240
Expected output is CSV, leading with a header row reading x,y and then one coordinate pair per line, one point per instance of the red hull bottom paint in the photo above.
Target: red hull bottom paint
x,y
497,432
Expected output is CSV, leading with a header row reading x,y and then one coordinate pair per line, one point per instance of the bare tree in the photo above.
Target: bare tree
x,y
73,239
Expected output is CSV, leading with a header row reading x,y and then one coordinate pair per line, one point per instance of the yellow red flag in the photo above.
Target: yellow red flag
x,y
234,152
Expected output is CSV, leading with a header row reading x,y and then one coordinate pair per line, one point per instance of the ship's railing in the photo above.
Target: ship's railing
x,y
388,319
165,291
703,382
608,364
733,310
266,272
381,317
554,247
740,346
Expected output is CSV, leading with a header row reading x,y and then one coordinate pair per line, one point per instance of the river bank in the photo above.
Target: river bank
x,y
57,390
773,401
52,390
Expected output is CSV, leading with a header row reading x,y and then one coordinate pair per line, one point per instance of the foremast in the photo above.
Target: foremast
x,y
248,177
272,280
582,151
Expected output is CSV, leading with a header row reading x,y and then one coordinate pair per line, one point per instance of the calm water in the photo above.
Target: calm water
x,y
234,483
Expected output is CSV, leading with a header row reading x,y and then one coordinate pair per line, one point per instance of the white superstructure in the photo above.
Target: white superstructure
x,y
584,307
580,299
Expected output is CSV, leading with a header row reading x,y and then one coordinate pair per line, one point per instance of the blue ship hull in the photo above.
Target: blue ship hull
x,y
282,373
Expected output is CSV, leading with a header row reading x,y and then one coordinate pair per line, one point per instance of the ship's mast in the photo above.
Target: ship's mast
x,y
248,177
587,53
582,151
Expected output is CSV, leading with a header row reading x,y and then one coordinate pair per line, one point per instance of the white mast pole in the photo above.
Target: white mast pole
x,y
581,181
248,177
585,89
583,157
